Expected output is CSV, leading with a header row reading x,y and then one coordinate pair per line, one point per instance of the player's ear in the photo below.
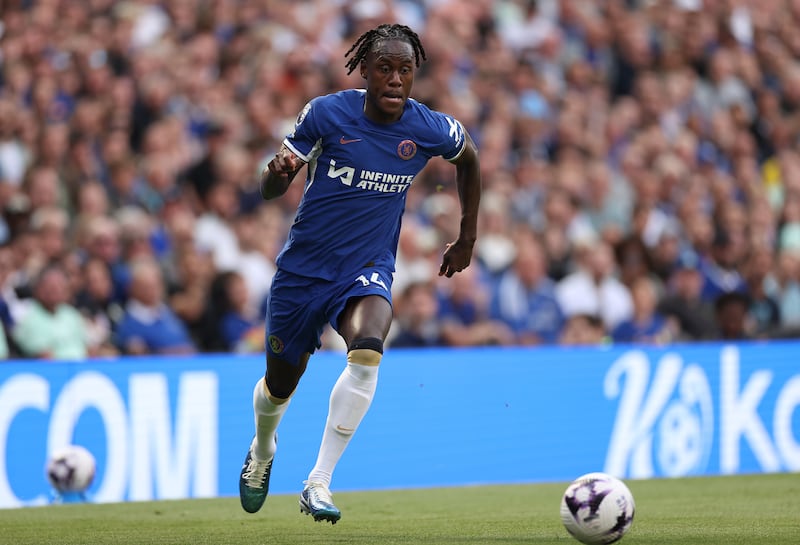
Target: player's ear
x,y
363,68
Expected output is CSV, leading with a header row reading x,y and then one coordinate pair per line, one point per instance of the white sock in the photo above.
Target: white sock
x,y
350,399
267,415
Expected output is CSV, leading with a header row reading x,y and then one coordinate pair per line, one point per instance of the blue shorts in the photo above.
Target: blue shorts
x,y
299,307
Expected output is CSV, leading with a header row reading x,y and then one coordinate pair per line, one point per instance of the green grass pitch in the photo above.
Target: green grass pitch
x,y
757,509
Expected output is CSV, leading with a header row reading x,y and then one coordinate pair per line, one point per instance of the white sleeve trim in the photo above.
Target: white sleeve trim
x,y
463,143
294,150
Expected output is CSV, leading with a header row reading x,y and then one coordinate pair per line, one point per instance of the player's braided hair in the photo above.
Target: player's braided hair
x,y
367,41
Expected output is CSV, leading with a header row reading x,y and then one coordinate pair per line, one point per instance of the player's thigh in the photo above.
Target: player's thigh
x,y
365,316
362,306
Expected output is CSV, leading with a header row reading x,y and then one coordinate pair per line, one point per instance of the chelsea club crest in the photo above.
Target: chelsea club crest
x,y
406,149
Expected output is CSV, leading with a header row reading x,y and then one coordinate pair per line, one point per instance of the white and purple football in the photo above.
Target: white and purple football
x,y
597,508
71,469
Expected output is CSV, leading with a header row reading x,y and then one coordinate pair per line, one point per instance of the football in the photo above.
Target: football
x,y
71,469
597,508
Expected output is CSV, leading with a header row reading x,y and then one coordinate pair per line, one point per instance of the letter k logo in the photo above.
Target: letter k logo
x,y
343,141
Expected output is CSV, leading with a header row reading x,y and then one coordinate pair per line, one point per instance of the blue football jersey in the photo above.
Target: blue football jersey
x,y
358,174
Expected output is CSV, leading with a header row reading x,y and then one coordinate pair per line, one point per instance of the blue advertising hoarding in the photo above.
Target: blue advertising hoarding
x,y
164,428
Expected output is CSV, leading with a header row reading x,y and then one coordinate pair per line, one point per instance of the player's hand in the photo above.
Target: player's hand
x,y
456,258
280,172
285,162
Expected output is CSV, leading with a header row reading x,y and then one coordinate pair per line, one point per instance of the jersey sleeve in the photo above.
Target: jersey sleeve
x,y
307,130
452,139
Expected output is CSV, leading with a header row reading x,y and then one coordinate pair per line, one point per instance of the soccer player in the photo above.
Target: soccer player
x,y
363,148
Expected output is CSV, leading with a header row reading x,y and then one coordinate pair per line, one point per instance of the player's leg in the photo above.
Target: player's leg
x,y
294,333
363,324
271,398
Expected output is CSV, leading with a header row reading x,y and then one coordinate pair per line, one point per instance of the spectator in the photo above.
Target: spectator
x,y
128,187
416,254
231,321
647,325
464,312
608,205
683,301
176,235
495,248
148,325
783,285
254,265
562,210
43,188
665,254
14,154
52,145
559,252
102,240
136,229
731,310
416,311
91,202
527,30
204,173
49,225
582,330
50,327
634,261
188,288
8,295
80,163
524,297
721,271
95,301
764,313
530,175
236,169
724,88
594,288
214,231
4,350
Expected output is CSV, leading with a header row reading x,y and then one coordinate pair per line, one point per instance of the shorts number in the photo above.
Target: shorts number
x,y
373,279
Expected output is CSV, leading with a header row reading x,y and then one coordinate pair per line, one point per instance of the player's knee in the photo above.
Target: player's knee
x,y
282,377
278,392
367,343
365,351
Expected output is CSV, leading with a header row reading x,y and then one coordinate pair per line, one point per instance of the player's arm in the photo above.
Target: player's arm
x,y
279,173
468,181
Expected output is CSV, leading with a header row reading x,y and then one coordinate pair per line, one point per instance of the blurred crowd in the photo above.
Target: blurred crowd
x,y
640,167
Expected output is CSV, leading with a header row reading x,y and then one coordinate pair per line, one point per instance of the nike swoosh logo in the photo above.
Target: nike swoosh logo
x,y
344,140
346,430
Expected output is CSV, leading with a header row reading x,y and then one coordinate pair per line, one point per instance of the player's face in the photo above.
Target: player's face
x,y
389,72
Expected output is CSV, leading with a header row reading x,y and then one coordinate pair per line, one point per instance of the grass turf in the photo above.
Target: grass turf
x,y
757,509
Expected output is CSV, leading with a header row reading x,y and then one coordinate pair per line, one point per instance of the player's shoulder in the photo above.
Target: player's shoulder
x,y
332,110
436,127
345,102
422,114
421,109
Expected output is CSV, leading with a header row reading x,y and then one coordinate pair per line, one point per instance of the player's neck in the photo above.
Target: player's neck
x,y
375,115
